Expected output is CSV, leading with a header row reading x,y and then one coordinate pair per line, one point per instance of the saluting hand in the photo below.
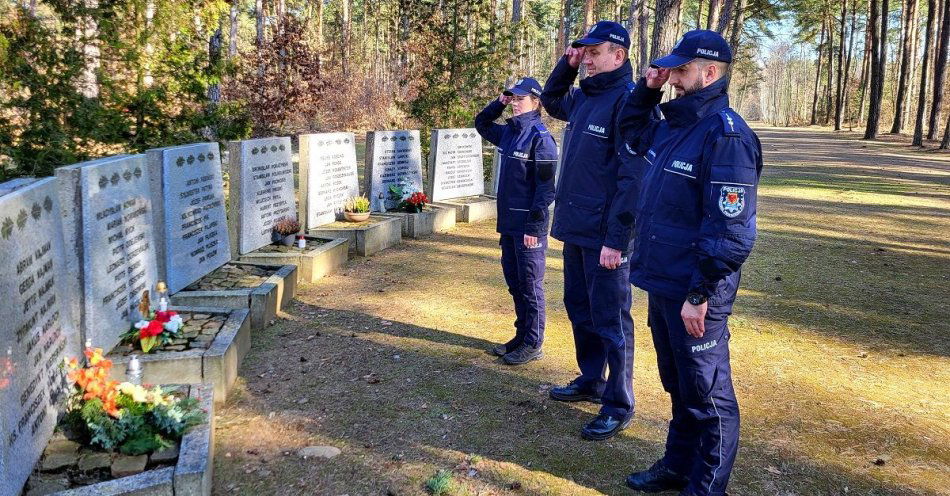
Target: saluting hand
x,y
504,99
656,77
574,56
694,316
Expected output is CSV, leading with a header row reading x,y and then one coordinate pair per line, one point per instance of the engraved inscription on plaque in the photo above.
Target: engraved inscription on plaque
x,y
328,168
392,158
457,164
262,189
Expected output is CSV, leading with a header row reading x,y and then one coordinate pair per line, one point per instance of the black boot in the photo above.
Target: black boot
x,y
605,426
573,392
655,479
523,354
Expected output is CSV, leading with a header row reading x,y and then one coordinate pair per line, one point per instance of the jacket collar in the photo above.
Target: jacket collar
x,y
524,120
605,81
687,110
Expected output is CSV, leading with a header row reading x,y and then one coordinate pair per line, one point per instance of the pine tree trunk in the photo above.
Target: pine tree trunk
x,y
88,34
738,25
665,27
643,24
724,25
945,142
814,101
909,18
940,69
878,27
847,64
932,13
715,8
829,83
588,14
839,93
233,31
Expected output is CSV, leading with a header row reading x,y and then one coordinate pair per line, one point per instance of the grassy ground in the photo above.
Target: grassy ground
x,y
840,352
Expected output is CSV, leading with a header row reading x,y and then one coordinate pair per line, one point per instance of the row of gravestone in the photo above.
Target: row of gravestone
x,y
79,248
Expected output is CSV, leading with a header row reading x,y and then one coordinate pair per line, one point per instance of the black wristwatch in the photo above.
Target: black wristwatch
x,y
696,299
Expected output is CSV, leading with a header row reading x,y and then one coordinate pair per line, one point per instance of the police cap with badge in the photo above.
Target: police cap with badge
x,y
602,32
699,43
524,86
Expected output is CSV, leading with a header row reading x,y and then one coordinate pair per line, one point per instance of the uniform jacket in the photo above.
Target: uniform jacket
x,y
695,215
526,171
591,167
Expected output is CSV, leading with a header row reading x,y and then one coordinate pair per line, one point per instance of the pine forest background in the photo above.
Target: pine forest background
x,y
86,78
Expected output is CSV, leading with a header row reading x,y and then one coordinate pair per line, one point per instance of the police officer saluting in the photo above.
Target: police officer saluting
x,y
525,191
596,242
695,227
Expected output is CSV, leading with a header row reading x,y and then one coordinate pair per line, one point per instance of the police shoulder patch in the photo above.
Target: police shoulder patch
x,y
731,200
728,123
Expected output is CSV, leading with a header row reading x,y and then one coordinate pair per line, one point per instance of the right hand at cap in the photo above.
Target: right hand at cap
x,y
504,99
656,77
574,56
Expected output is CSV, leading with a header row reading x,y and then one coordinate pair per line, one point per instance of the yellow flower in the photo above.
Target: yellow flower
x,y
137,393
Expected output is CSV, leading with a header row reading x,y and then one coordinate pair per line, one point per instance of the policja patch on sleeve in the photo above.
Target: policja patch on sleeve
x,y
731,200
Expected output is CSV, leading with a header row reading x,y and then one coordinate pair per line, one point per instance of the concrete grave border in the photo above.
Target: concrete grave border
x,y
379,233
311,265
217,365
416,225
470,209
263,301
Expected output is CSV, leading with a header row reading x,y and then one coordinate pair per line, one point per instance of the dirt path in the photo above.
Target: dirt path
x,y
841,356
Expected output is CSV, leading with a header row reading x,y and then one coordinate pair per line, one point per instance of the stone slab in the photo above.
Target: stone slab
x,y
311,264
261,183
263,301
473,209
37,331
365,238
392,158
328,177
190,215
435,218
149,483
107,222
217,365
455,164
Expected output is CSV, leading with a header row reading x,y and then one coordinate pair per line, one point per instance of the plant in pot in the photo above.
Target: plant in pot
x,y
415,202
356,209
285,230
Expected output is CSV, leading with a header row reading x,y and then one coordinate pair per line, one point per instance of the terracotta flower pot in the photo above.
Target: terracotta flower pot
x,y
356,216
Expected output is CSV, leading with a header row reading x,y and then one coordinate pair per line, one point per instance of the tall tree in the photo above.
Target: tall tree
x,y
814,101
878,27
940,70
932,14
829,85
839,81
724,24
715,8
665,26
643,23
909,35
847,66
738,25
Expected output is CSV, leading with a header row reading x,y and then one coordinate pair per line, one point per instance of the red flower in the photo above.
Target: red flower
x,y
154,328
165,317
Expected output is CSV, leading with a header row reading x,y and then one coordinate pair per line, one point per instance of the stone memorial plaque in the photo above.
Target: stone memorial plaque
x,y
110,244
191,221
392,158
261,182
35,331
328,176
455,164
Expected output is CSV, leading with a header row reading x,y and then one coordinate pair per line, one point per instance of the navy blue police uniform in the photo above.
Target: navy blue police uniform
x,y
695,226
597,299
525,191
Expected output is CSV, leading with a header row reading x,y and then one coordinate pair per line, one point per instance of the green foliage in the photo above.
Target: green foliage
x,y
442,483
357,204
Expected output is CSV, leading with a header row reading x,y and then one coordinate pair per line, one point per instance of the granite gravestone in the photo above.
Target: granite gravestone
x,y
328,176
392,158
455,164
191,222
261,182
35,331
110,244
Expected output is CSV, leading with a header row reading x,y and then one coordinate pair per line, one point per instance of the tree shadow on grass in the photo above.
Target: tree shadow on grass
x,y
403,399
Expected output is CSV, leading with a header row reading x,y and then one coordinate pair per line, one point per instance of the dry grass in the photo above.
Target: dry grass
x,y
841,366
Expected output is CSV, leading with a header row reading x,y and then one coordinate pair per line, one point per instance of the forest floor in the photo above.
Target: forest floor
x,y
840,353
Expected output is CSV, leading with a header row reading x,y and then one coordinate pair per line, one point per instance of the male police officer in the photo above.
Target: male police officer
x,y
596,292
525,191
695,227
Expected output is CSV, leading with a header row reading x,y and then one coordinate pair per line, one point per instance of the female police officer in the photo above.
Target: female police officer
x,y
525,190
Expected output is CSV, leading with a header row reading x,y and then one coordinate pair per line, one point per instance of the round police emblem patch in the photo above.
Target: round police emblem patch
x,y
731,200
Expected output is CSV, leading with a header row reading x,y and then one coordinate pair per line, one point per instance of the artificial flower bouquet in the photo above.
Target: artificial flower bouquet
x,y
158,328
415,202
132,419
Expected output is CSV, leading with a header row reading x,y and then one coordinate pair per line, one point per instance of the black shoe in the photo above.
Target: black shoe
x,y
573,392
522,354
499,350
605,426
656,479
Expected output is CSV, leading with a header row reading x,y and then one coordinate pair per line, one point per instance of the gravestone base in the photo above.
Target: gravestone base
x,y
212,357
366,238
321,257
191,475
263,296
432,219
472,208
